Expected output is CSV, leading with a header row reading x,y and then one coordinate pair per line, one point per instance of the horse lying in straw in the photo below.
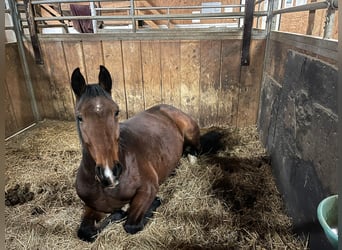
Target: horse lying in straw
x,y
124,163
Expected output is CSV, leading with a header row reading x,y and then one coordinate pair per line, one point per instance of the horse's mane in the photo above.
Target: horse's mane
x,y
94,90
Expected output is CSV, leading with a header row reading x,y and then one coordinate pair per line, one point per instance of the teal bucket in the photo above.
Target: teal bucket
x,y
327,212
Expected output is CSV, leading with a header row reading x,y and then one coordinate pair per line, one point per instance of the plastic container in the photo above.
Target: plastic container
x,y
327,212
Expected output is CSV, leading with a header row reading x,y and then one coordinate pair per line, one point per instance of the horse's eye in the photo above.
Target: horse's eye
x,y
116,113
79,118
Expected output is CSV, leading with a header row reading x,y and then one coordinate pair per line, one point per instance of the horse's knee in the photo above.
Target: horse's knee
x,y
87,232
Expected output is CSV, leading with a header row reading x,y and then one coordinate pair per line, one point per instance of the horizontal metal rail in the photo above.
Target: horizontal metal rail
x,y
173,7
306,7
153,17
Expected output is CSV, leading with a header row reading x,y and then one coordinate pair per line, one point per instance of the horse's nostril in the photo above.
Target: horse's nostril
x,y
101,176
117,169
99,172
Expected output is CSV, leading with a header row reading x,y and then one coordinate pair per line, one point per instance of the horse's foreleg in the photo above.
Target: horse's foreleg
x,y
88,230
141,209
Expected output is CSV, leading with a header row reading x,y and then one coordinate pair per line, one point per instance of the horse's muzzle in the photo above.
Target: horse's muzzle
x,y
108,177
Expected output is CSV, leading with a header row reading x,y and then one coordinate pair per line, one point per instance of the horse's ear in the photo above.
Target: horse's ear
x,y
78,83
105,80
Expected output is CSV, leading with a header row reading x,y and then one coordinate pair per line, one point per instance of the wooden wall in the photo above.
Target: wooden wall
x,y
202,77
298,125
199,76
18,109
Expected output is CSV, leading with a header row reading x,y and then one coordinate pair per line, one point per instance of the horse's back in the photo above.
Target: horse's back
x,y
157,136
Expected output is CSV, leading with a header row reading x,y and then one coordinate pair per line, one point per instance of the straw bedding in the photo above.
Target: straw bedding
x,y
228,200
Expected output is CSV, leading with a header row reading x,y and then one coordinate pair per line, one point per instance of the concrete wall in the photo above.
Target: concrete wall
x,y
298,125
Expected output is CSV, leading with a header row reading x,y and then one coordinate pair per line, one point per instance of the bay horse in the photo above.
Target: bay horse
x,y
124,163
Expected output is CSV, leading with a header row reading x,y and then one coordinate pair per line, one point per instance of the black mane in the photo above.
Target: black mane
x,y
94,90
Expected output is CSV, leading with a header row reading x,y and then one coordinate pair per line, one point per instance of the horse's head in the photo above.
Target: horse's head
x,y
97,122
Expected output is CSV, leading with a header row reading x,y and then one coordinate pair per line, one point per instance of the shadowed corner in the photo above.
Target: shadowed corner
x,y
2,128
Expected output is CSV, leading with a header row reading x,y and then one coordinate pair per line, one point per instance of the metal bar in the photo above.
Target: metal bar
x,y
172,7
247,32
329,23
306,7
154,17
64,1
23,60
134,29
93,13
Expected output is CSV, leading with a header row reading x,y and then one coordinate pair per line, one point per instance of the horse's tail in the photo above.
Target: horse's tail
x,y
211,142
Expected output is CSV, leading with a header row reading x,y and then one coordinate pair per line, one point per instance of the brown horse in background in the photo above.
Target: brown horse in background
x,y
124,163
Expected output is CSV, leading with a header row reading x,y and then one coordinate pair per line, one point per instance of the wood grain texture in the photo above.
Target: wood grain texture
x,y
151,71
209,82
249,93
230,81
59,86
133,76
190,77
113,60
20,109
170,76
92,54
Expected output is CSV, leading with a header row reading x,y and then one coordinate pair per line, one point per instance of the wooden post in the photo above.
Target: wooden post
x,y
33,31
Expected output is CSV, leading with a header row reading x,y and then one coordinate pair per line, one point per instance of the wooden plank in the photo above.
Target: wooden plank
x,y
92,53
170,67
59,84
230,80
249,93
40,83
17,90
112,55
209,81
150,54
190,76
10,122
133,76
74,59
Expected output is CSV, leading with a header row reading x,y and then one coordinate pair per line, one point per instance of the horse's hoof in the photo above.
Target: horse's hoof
x,y
87,234
133,229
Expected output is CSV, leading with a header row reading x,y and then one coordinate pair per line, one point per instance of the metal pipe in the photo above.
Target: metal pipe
x,y
154,17
329,22
133,16
93,13
171,7
306,7
23,59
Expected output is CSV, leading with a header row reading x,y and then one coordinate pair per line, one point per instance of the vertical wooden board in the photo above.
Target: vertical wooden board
x,y
17,89
170,72
40,82
92,52
275,59
150,56
10,122
74,59
133,76
62,99
230,74
249,93
190,76
113,61
209,81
